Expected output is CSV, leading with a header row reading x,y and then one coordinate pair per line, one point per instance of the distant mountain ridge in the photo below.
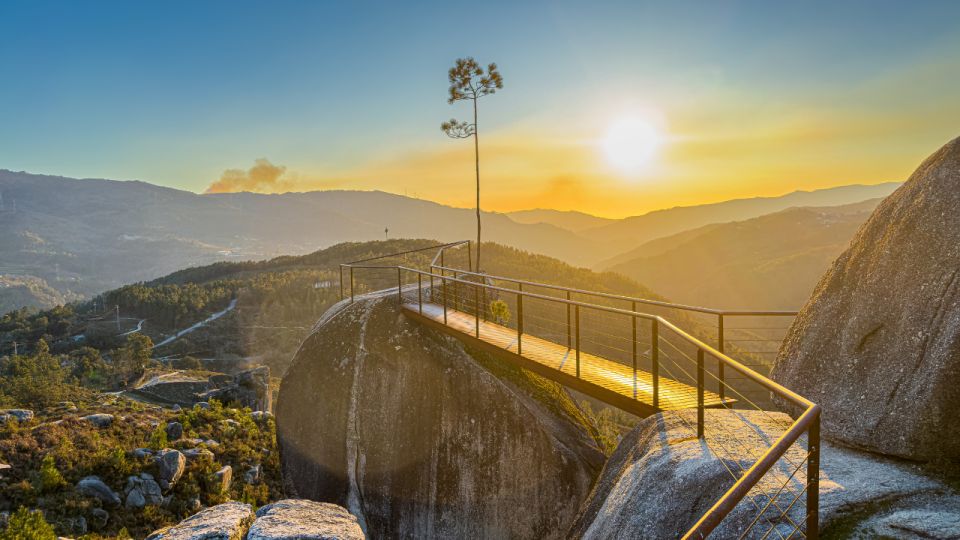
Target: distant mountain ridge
x,y
633,231
81,237
768,262
570,220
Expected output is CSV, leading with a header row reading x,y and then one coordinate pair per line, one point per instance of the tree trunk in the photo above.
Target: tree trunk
x,y
476,154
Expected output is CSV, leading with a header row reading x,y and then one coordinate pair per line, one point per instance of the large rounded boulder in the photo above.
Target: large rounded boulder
x,y
418,438
878,344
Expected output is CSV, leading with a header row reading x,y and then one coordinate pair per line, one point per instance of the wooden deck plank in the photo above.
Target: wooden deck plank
x,y
607,374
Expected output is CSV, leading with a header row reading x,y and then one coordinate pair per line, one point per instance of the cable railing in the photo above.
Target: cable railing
x,y
751,336
642,363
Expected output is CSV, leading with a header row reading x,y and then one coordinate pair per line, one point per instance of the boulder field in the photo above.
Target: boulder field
x,y
412,434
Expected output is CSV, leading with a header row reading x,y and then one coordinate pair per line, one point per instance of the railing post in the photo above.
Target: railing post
x,y
720,365
476,302
633,327
519,323
443,285
655,360
576,311
470,256
399,287
341,282
351,284
569,345
420,291
813,480
456,292
700,393
483,294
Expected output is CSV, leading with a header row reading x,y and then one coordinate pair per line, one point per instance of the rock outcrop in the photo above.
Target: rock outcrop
x,y
227,521
289,519
662,478
249,388
304,520
878,344
93,486
410,432
170,465
20,415
141,491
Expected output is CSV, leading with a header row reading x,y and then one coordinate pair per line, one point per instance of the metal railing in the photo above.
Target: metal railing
x,y
769,467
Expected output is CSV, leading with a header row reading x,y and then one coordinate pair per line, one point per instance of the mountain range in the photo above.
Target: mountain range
x,y
768,262
79,237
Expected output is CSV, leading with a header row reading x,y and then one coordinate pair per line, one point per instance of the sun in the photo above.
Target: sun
x,y
631,143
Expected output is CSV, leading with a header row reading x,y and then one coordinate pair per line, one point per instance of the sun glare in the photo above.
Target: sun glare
x,y
631,143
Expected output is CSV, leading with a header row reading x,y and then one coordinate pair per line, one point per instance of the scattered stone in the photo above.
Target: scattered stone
x,y
194,504
142,491
304,520
141,453
174,431
230,422
259,416
20,415
202,405
170,465
176,408
211,443
223,478
197,453
226,521
252,476
4,468
185,443
101,516
77,525
93,486
67,406
101,420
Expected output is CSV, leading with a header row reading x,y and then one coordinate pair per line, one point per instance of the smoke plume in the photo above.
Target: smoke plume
x,y
263,177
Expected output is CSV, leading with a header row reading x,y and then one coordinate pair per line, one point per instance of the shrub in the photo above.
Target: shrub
x,y
499,312
50,478
158,439
28,525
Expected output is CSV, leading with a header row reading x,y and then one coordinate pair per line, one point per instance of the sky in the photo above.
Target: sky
x,y
743,98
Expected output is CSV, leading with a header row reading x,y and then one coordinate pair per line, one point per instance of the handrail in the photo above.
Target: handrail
x,y
742,369
647,301
808,422
428,248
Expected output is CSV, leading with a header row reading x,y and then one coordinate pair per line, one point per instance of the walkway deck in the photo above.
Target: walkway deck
x,y
607,380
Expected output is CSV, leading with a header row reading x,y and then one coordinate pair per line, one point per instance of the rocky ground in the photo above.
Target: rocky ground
x,y
119,467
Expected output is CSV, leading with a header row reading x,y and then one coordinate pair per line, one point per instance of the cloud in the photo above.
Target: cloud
x,y
263,177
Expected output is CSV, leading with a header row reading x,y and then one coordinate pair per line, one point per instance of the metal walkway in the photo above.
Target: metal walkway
x,y
637,361
599,377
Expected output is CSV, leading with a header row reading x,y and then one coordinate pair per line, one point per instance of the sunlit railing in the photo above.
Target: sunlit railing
x,y
772,459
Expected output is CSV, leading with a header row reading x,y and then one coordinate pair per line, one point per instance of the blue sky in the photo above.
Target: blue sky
x,y
341,93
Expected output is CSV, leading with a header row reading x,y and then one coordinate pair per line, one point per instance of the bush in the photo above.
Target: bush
x,y
50,478
27,525
158,439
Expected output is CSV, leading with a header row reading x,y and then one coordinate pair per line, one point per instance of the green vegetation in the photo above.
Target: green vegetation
x,y
28,525
499,312
51,454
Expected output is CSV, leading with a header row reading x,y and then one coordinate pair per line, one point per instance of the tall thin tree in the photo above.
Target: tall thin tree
x,y
469,81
